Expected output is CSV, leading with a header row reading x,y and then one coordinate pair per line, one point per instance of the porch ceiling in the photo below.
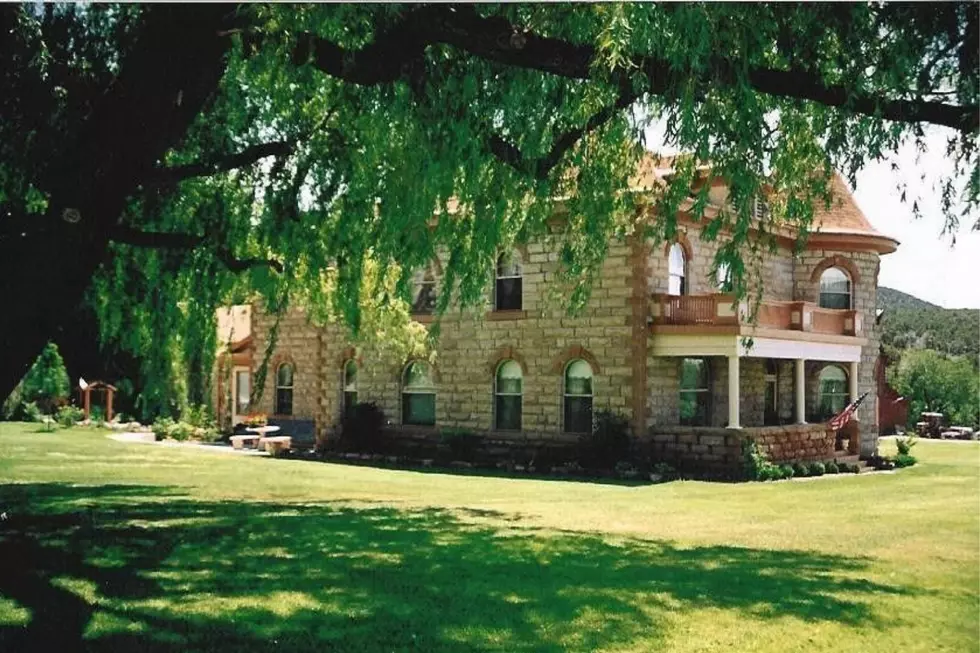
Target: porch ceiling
x,y
764,343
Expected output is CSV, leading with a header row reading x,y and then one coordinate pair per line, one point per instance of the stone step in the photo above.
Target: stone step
x,y
850,459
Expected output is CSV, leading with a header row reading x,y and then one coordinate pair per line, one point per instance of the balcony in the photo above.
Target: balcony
x,y
718,310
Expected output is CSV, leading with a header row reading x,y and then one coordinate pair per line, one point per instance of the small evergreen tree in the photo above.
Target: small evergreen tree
x,y
46,383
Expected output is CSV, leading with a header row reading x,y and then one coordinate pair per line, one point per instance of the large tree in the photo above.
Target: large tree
x,y
163,159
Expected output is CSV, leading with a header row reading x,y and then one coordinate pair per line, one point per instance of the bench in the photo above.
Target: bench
x,y
301,430
241,441
276,444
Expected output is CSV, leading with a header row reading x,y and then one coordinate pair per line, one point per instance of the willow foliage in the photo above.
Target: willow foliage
x,y
394,132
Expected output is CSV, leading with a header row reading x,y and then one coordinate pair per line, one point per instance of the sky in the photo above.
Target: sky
x,y
927,264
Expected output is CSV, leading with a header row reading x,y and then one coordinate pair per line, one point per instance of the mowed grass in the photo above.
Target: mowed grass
x,y
115,547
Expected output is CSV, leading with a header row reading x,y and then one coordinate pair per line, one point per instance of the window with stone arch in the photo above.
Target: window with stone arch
x,y
509,286
418,395
508,391
577,397
833,388
350,385
284,389
677,270
835,289
425,292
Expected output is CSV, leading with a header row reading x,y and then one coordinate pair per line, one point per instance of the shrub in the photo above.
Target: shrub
x,y
787,471
817,469
664,471
905,460
832,468
162,427
97,415
46,383
462,443
801,470
904,445
31,412
608,443
68,415
361,428
756,464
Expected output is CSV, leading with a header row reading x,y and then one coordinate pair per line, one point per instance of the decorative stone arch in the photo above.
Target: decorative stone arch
x,y
348,354
400,371
281,359
681,239
572,353
505,354
835,261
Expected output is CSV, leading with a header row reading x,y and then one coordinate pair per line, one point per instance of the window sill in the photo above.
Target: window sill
x,y
424,318
510,314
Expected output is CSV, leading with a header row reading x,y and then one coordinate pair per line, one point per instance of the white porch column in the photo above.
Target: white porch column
x,y
852,379
733,396
800,391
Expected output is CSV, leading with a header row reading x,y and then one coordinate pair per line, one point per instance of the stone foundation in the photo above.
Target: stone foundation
x,y
794,442
719,450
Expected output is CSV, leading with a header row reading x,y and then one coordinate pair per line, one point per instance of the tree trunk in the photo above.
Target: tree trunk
x,y
172,71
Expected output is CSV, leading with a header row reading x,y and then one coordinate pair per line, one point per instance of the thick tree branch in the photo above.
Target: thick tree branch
x,y
248,156
182,241
394,52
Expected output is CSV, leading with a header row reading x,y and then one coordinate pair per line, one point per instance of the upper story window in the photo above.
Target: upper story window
x,y
695,395
508,289
677,270
833,391
578,397
418,395
835,289
724,278
424,298
508,390
350,385
284,390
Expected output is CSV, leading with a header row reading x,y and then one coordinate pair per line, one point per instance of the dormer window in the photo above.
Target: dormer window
x,y
508,290
677,271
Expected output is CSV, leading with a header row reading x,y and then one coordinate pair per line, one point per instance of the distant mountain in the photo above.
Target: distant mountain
x,y
889,298
911,323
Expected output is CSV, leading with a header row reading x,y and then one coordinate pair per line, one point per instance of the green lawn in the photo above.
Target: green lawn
x,y
113,547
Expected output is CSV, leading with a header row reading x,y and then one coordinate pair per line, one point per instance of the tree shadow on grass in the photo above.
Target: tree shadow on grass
x,y
118,568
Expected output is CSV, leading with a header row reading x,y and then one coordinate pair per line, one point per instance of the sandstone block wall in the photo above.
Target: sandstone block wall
x,y
794,442
864,292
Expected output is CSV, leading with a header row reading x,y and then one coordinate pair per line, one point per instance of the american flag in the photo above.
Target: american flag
x,y
841,419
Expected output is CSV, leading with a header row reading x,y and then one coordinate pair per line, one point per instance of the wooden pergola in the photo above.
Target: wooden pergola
x,y
109,390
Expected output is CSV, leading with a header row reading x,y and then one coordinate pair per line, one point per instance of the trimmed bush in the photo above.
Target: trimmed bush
x,y
462,443
67,416
801,470
608,443
905,460
361,429
833,468
817,469
788,471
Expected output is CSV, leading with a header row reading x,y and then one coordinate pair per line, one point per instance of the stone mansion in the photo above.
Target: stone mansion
x,y
659,341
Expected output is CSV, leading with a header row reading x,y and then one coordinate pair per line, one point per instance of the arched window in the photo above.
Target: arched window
x,y
508,389
833,391
724,278
677,270
350,385
284,390
424,292
578,397
508,290
418,395
695,399
835,289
